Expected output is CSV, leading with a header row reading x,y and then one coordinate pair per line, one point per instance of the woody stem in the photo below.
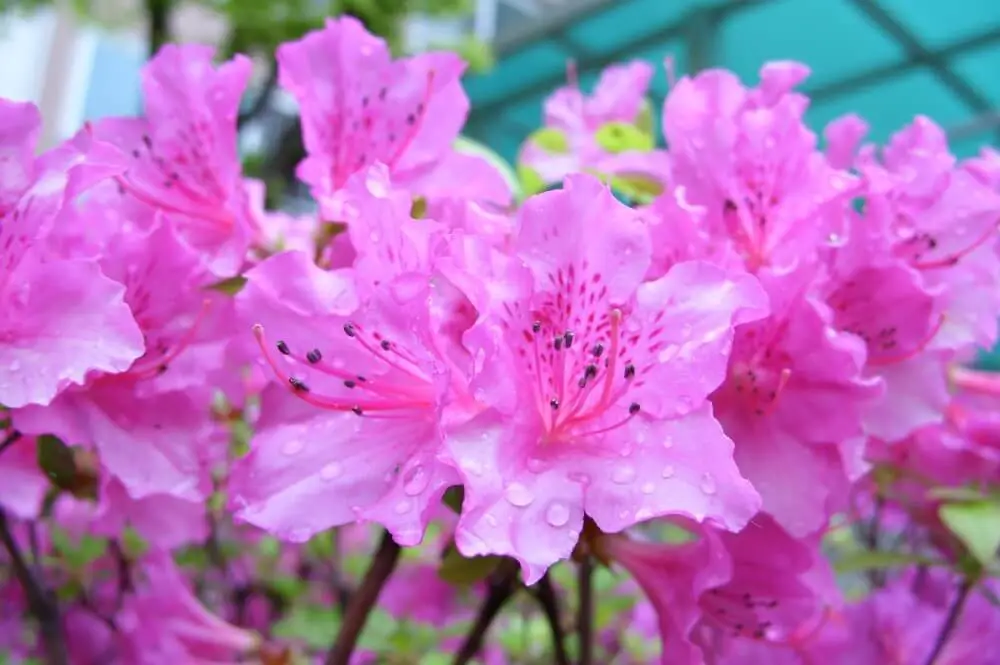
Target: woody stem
x,y
363,600
503,585
585,611
41,603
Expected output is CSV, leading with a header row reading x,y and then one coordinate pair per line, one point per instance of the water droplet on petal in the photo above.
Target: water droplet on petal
x,y
648,488
403,507
557,514
707,484
491,520
668,471
473,467
416,480
293,447
643,514
577,477
330,471
668,442
518,495
623,475
298,535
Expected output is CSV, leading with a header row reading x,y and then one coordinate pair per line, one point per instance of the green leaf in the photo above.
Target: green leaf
x,y
462,571
418,209
230,286
618,137
269,547
57,461
288,587
531,181
133,544
867,560
642,189
976,524
77,554
436,658
454,496
314,625
551,140
956,494
644,121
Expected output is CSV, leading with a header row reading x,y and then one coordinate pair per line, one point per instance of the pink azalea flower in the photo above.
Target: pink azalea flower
x,y
23,481
794,390
151,424
163,622
359,106
600,407
749,158
61,317
370,355
181,158
720,588
894,626
164,521
618,97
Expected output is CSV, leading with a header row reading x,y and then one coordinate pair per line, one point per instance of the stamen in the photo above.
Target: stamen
x,y
148,370
349,330
629,371
597,350
314,356
283,348
568,338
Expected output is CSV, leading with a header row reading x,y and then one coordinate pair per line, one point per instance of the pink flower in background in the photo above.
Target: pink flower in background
x,y
61,318
604,411
359,106
181,158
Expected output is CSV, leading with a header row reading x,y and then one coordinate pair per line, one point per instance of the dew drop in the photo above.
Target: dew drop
x,y
668,471
577,477
648,488
330,471
473,467
293,447
668,442
416,480
623,475
491,520
707,484
14,366
643,514
518,495
557,514
403,507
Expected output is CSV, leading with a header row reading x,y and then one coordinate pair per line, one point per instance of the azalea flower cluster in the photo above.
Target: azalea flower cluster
x,y
702,404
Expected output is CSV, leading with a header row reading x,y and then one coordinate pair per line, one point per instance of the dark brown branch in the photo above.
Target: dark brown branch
x,y
363,600
951,620
503,585
158,30
545,592
585,611
262,98
41,603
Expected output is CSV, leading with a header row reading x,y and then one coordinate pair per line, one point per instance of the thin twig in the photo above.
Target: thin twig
x,y
363,600
503,585
951,620
41,603
545,592
585,611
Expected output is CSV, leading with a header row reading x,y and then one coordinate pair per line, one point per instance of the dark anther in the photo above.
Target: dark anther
x,y
629,371
283,348
536,326
729,205
364,101
349,330
349,384
410,119
582,382
361,379
557,342
382,93
385,344
568,338
148,141
633,408
161,369
597,350
314,356
298,384
554,404
356,410
136,153
590,372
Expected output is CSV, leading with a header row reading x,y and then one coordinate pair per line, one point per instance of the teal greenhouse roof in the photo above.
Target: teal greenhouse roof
x,y
886,60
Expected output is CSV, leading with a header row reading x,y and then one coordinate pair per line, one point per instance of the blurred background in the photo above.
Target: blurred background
x,y
886,60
